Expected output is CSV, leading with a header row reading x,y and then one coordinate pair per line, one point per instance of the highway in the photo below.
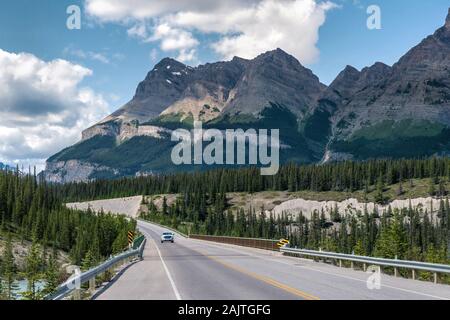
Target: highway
x,y
192,269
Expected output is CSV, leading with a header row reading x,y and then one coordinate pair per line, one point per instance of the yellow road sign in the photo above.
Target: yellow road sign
x,y
130,237
282,243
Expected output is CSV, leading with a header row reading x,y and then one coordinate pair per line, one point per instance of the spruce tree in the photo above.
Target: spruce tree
x,y
88,261
379,197
392,241
33,272
51,274
431,188
8,269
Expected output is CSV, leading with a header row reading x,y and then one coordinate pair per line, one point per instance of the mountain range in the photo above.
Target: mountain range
x,y
380,111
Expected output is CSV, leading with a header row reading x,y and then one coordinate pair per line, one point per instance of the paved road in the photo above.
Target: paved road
x,y
193,269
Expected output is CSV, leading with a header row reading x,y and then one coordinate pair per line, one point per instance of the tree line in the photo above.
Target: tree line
x,y
346,176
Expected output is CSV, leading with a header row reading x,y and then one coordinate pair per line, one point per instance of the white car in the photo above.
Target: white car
x,y
168,237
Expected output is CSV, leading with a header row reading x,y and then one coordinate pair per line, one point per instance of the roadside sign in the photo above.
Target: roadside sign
x,y
282,243
130,237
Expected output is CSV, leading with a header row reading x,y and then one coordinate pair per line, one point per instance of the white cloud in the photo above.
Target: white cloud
x,y
187,55
98,57
138,31
245,28
119,10
172,38
43,109
91,55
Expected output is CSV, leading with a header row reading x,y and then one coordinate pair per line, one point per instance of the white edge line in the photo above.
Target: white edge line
x,y
172,283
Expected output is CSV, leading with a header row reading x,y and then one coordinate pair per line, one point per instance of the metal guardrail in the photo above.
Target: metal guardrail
x,y
72,284
395,263
266,244
137,242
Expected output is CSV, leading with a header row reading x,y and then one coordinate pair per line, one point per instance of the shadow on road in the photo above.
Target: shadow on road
x,y
113,280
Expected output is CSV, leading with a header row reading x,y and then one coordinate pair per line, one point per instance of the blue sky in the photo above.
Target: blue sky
x,y
115,60
38,27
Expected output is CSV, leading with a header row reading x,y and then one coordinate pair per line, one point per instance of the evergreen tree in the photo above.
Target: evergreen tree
x,y
358,249
8,271
51,274
164,206
33,272
431,188
392,242
88,261
379,197
400,189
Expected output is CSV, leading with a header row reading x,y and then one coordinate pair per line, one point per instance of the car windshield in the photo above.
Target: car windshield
x,y
167,234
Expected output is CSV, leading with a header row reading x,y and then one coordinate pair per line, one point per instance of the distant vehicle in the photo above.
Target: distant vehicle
x,y
168,237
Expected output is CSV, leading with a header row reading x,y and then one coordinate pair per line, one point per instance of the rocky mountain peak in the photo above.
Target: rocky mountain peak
x,y
373,74
443,34
274,77
349,71
379,66
341,88
169,63
167,67
447,21
277,55
239,60
346,78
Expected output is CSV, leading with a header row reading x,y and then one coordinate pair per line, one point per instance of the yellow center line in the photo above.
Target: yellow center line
x,y
264,279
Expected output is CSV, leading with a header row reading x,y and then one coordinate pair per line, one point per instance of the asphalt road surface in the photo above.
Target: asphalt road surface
x,y
192,269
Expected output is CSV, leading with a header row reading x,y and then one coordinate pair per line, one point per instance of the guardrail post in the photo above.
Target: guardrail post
x,y
111,270
395,268
365,267
76,294
413,274
92,285
351,264
435,278
340,263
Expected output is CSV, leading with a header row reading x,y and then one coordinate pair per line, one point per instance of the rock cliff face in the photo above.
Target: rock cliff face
x,y
74,171
352,206
236,86
417,87
383,111
379,111
275,77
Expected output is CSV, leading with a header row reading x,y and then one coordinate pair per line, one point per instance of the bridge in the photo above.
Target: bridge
x,y
192,269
